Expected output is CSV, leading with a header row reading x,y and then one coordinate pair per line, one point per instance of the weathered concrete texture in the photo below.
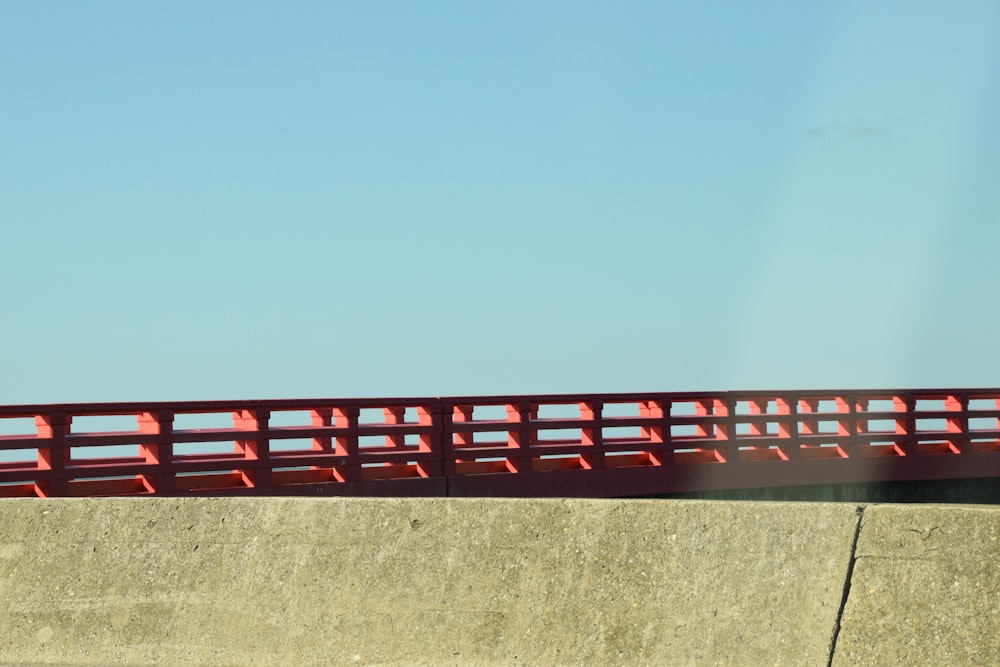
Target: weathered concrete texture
x,y
925,588
419,581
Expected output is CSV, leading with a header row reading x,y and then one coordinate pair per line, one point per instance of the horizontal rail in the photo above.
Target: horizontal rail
x,y
541,445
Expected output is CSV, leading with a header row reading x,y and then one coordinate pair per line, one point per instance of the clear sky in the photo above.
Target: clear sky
x,y
302,199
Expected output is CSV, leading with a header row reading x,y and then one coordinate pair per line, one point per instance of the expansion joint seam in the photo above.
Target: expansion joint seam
x,y
847,586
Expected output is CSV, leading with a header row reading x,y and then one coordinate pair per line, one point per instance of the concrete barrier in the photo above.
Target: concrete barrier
x,y
925,588
331,581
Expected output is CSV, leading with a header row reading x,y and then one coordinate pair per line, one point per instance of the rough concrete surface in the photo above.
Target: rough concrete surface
x,y
202,581
925,588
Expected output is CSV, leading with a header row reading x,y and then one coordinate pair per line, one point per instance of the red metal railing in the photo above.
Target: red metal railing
x,y
552,445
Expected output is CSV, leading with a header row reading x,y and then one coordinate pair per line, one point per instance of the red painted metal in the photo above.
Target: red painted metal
x,y
585,445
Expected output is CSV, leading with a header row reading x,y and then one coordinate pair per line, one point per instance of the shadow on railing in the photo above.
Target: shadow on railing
x,y
583,445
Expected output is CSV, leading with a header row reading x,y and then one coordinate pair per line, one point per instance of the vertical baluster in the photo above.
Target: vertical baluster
x,y
53,456
519,434
430,416
657,432
347,443
906,439
159,453
788,428
453,440
958,424
256,448
847,425
395,415
592,436
726,442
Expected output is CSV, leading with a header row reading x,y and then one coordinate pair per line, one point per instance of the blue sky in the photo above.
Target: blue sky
x,y
297,199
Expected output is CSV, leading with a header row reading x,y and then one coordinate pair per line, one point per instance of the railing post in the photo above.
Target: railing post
x,y
958,426
593,435
429,415
807,407
788,428
459,414
256,448
521,437
725,431
861,423
451,439
347,443
703,408
847,425
160,452
394,415
906,423
666,410
321,418
757,409
659,432
54,456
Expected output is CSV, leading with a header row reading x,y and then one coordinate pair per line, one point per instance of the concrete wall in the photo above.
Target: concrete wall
x,y
241,581
925,588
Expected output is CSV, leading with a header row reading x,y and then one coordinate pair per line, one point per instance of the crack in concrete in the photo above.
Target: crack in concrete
x,y
847,586
924,557
925,534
